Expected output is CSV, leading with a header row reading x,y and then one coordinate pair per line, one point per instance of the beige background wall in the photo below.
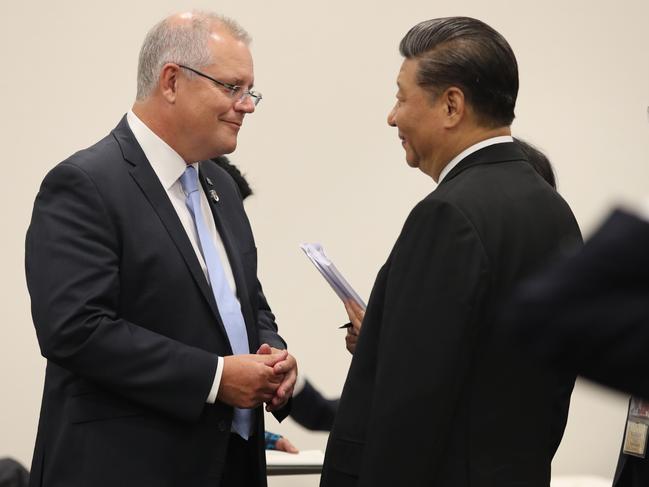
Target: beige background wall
x,y
323,162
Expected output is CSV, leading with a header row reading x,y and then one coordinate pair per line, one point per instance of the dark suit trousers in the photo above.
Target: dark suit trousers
x,y
241,464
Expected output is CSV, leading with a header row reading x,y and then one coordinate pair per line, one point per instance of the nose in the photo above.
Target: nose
x,y
392,117
245,104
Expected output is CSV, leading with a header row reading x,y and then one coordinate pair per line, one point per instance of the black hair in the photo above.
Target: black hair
x,y
539,161
232,170
469,54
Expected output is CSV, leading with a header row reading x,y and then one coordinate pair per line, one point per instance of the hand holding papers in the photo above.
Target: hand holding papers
x,y
341,287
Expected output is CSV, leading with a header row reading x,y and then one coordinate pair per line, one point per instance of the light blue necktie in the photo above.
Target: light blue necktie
x,y
228,305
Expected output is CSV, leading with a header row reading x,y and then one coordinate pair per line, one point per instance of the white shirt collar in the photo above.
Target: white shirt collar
x,y
166,162
470,150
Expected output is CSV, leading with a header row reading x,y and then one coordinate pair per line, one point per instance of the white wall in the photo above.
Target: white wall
x,y
323,162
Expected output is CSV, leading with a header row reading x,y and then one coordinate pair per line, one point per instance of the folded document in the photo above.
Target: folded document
x,y
341,287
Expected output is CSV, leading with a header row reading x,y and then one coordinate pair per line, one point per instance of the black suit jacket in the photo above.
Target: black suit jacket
x,y
590,315
436,395
312,410
129,325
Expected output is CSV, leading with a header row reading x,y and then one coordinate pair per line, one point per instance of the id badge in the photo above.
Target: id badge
x,y
635,439
637,427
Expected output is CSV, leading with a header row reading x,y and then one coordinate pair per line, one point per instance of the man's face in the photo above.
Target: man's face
x,y
418,119
211,119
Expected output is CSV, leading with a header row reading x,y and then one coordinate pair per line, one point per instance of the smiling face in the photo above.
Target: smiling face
x,y
207,116
419,119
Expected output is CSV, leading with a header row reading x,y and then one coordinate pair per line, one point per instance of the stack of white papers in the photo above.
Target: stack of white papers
x,y
338,283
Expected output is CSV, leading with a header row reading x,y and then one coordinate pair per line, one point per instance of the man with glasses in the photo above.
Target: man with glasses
x,y
141,266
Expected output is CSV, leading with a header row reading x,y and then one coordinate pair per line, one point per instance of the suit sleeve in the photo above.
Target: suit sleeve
x,y
590,313
268,332
72,267
434,295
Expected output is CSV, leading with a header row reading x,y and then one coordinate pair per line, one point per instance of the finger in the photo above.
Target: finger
x,y
351,344
276,378
285,389
285,445
277,403
350,310
352,331
273,405
271,359
354,308
351,339
266,390
285,365
265,349
358,310
355,319
266,397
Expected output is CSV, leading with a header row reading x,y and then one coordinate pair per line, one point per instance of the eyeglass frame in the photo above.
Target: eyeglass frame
x,y
255,96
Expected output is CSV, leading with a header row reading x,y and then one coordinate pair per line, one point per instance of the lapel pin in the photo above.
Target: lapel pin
x,y
213,195
209,181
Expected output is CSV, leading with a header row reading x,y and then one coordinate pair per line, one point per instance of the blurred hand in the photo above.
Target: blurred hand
x,y
250,380
284,445
287,370
356,315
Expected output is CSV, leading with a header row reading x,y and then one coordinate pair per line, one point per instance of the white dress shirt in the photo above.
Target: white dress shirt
x,y
470,150
169,166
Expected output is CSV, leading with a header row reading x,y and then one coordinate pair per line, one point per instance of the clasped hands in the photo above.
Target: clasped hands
x,y
265,377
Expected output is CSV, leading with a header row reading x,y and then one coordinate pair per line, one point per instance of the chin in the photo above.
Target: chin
x,y
412,162
226,147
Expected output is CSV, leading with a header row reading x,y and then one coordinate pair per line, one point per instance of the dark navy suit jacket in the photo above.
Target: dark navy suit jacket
x,y
129,325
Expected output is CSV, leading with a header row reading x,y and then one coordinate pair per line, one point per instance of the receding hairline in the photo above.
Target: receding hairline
x,y
216,23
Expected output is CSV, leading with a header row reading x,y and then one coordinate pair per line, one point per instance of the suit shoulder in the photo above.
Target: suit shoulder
x,y
438,214
94,160
438,205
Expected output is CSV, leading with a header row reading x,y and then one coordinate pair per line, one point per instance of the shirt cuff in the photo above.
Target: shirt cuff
x,y
211,398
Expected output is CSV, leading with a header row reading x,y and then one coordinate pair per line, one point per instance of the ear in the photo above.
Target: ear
x,y
168,82
454,106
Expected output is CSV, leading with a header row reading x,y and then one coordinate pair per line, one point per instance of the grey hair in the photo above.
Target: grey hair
x,y
182,43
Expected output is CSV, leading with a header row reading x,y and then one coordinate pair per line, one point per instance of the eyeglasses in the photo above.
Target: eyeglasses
x,y
234,91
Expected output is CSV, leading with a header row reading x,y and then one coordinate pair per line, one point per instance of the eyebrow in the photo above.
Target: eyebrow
x,y
239,82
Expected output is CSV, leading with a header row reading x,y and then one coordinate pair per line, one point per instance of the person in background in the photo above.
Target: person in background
x,y
141,266
433,368
279,443
309,407
12,473
538,160
589,315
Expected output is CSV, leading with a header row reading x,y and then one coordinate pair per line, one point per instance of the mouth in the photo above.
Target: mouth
x,y
233,123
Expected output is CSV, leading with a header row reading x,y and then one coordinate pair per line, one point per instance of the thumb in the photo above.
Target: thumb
x,y
264,349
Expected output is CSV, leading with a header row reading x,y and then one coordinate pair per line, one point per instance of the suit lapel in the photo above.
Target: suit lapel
x,y
146,179
224,228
